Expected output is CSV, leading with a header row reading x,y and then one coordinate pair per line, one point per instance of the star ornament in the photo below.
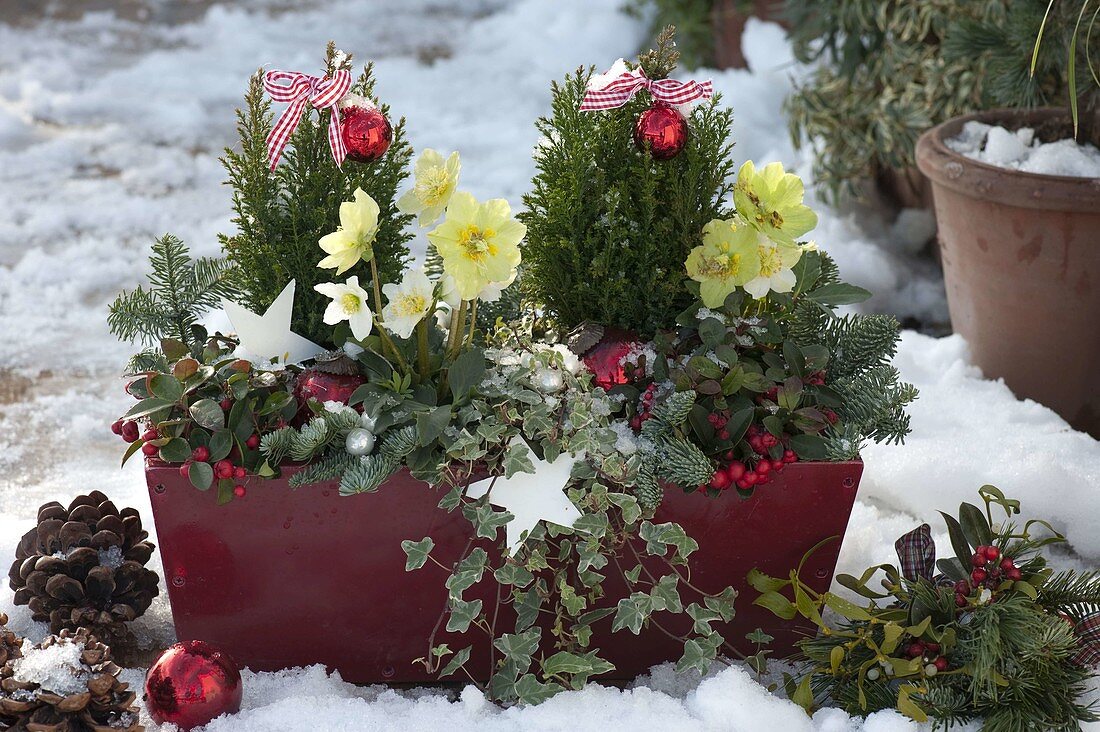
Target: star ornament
x,y
532,497
268,336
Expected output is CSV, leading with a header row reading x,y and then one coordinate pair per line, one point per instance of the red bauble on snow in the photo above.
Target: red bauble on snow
x,y
366,132
192,683
663,129
326,387
605,359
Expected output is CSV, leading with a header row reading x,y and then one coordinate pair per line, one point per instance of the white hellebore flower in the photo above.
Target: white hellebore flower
x,y
408,302
596,82
349,302
353,240
776,262
436,180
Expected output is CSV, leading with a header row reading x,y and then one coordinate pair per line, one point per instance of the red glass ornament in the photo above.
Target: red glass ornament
x,y
606,357
664,129
192,683
367,133
323,387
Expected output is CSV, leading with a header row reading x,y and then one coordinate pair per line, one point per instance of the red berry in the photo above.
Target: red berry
x,y
253,442
723,435
757,444
226,404
200,454
914,650
992,553
960,600
736,470
647,397
239,472
729,455
962,587
763,478
719,480
978,575
790,456
743,484
636,423
770,440
831,416
223,469
712,418
150,449
753,430
1014,574
763,467
941,663
130,431
978,560
150,435
1007,564
751,478
116,427
184,469
778,465
239,490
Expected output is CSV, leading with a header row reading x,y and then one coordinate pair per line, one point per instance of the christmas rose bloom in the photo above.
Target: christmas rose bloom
x,y
478,242
354,238
349,302
771,200
776,262
435,184
727,260
448,292
407,303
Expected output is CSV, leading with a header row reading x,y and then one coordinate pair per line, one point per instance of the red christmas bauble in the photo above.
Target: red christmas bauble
x,y
664,129
326,387
367,133
192,683
605,359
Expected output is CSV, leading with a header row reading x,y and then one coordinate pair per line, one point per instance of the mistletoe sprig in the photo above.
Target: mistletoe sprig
x,y
994,635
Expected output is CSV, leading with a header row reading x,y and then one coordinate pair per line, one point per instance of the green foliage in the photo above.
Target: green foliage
x,y
281,215
606,222
1009,644
180,291
893,70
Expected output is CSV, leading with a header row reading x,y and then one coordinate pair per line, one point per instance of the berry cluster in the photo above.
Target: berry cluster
x,y
130,432
989,570
930,654
645,411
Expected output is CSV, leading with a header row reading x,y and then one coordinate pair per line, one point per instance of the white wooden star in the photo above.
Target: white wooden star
x,y
532,497
268,336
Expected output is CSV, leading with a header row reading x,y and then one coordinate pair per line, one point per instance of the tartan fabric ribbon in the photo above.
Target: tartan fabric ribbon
x,y
297,89
626,85
917,554
1088,636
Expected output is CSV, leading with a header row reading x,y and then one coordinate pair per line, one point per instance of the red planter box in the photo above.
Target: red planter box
x,y
290,577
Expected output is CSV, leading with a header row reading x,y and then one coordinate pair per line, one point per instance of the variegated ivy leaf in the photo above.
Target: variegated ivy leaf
x,y
666,596
519,647
457,662
658,537
417,552
631,612
517,459
529,690
462,614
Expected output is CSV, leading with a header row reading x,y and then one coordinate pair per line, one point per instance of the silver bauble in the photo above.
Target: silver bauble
x,y
359,441
549,381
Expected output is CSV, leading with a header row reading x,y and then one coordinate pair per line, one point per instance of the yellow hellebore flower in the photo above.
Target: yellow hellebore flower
x,y
478,242
435,184
776,262
727,260
354,238
771,200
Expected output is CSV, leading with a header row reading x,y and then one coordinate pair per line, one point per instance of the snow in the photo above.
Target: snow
x,y
110,130
57,668
1019,150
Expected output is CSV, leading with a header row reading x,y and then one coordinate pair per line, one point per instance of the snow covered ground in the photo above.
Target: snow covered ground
x,y
110,129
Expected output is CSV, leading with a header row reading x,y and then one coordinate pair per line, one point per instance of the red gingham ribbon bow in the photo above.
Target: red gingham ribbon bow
x,y
297,89
670,91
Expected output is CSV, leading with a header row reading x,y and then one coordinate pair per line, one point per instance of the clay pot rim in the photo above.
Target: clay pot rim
x,y
989,182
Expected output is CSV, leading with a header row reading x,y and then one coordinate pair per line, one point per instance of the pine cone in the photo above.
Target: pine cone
x,y
66,692
84,567
10,643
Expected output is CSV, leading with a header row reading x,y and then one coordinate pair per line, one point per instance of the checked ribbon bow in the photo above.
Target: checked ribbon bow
x,y
619,91
298,89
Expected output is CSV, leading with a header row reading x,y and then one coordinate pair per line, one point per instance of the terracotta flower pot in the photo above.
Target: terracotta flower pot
x,y
1021,260
291,577
728,21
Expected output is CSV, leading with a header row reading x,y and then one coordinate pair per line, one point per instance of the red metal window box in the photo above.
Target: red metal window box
x,y
292,577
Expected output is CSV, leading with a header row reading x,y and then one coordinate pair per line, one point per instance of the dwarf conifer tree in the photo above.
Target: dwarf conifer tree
x,y
609,227
280,215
